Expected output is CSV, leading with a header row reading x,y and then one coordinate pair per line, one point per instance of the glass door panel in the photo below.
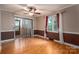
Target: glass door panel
x,y
27,27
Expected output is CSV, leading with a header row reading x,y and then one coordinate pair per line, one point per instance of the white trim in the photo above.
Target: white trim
x,y
45,28
0,27
72,45
6,30
52,26
42,37
58,41
71,32
7,40
53,31
60,29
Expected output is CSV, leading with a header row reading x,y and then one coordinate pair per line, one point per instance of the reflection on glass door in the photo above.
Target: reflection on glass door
x,y
23,27
27,27
17,27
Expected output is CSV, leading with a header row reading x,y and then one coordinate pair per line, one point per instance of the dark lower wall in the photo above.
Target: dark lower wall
x,y
39,32
68,37
17,32
53,35
7,35
71,38
50,35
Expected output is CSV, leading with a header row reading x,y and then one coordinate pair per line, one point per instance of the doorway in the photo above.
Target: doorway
x,y
27,27
17,29
23,27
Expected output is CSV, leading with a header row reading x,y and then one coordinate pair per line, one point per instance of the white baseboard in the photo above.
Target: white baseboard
x,y
58,41
72,45
42,37
8,40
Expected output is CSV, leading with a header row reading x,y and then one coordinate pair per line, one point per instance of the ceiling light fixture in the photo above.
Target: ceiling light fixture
x,y
31,14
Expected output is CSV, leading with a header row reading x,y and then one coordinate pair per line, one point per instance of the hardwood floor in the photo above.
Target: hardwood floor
x,y
35,46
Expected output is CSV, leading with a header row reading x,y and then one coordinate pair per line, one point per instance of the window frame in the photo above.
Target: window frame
x,y
52,24
19,25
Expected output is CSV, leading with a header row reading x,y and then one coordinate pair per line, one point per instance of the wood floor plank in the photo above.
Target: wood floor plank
x,y
36,46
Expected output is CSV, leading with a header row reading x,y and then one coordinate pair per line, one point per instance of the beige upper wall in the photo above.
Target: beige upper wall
x,y
7,21
40,23
71,19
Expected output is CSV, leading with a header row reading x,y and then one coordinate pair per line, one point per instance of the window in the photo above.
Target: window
x,y
17,24
52,24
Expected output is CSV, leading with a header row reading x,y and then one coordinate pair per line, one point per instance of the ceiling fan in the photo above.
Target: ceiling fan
x,y
30,10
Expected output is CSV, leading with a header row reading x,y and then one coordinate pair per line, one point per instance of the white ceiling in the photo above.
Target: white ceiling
x,y
44,9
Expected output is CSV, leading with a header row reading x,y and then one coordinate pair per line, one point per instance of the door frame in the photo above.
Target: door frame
x,y
20,25
31,24
19,28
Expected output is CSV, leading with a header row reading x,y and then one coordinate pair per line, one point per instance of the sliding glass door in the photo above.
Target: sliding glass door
x,y
27,28
23,27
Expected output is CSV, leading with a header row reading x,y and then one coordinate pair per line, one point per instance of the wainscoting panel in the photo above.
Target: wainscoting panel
x,y
7,35
68,37
71,38
53,35
50,35
39,32
17,32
